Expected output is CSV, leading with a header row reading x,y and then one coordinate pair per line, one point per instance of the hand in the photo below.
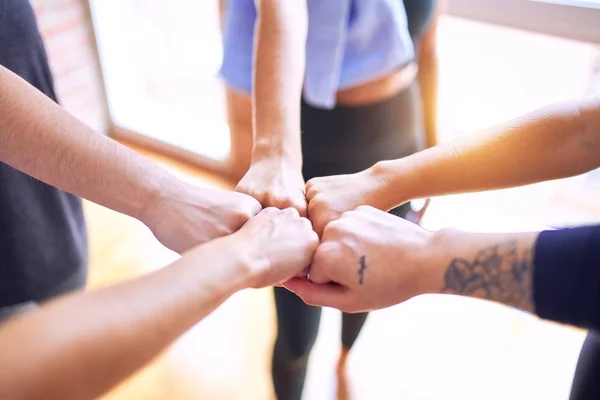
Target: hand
x,y
184,216
275,182
277,244
367,260
331,196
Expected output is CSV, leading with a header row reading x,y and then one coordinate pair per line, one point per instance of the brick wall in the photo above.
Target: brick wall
x,y
67,32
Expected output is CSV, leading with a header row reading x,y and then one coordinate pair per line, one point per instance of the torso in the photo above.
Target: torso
x,y
379,89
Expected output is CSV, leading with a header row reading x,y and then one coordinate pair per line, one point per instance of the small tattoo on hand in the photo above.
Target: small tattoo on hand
x,y
361,270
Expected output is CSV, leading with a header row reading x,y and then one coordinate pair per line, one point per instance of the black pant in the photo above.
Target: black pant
x,y
340,141
586,383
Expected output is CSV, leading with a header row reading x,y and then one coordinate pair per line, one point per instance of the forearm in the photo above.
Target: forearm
x,y
553,273
495,267
41,139
279,64
555,142
428,79
92,341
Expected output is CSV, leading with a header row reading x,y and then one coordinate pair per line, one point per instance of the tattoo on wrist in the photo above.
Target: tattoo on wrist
x,y
500,273
361,270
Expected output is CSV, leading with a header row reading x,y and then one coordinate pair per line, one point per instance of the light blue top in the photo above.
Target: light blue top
x,y
349,42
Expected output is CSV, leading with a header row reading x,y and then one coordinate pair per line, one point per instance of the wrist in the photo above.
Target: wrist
x,y
267,148
394,184
231,268
159,195
435,258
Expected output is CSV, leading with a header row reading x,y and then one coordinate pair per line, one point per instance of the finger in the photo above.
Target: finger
x,y
290,212
300,204
283,202
302,274
324,259
333,227
310,190
329,295
254,205
269,211
258,195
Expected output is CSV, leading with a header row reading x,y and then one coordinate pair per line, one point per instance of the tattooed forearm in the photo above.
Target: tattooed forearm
x,y
361,270
500,273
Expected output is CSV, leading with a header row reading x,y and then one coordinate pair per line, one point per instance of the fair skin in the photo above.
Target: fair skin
x,y
39,138
121,328
369,259
274,168
428,77
275,174
557,141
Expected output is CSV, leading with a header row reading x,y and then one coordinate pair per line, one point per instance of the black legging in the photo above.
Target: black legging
x,y
340,141
345,140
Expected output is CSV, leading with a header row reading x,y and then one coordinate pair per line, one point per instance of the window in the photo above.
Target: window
x,y
160,66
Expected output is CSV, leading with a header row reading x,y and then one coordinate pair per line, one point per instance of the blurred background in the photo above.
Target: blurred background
x,y
146,73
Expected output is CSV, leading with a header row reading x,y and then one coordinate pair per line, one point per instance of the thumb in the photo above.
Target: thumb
x,y
327,295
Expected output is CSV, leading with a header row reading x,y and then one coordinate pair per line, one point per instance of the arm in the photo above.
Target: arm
x,y
275,174
554,142
553,273
396,260
40,139
92,341
428,78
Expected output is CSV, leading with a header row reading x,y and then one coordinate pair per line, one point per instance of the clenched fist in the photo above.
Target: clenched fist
x,y
278,245
367,260
331,196
275,182
185,216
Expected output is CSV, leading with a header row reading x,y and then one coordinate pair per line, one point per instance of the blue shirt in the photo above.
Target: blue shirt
x,y
349,42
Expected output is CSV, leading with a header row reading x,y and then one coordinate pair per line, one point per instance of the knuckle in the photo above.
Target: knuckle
x,y
320,198
290,212
322,255
270,211
365,209
252,206
335,226
328,230
306,225
279,200
348,214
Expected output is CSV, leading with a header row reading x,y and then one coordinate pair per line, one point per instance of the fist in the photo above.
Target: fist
x,y
279,244
188,216
331,196
275,182
367,260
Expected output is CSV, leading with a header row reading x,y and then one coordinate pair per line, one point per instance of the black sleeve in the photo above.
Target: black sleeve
x,y
566,280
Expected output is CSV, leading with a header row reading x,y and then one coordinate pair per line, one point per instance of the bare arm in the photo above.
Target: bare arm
x,y
41,139
279,64
80,346
554,142
428,78
378,260
275,174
